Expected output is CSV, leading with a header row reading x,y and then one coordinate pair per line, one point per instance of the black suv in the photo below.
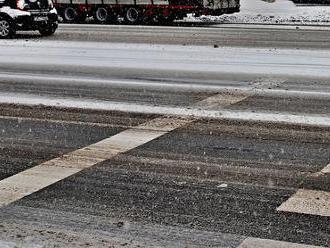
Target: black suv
x,y
27,15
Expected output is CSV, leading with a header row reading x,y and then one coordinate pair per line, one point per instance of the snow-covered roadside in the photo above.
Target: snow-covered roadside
x,y
278,12
253,61
60,62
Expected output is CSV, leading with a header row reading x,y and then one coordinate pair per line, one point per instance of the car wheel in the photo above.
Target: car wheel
x,y
7,28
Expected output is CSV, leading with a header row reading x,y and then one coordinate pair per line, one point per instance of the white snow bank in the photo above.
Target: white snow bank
x,y
278,12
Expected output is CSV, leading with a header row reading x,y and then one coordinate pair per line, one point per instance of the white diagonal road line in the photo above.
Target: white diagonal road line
x,y
305,201
326,169
52,171
267,243
314,202
31,180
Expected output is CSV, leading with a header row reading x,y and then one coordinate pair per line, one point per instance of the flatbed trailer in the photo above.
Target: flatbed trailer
x,y
141,11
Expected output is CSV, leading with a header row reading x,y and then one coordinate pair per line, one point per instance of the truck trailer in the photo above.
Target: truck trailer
x,y
141,11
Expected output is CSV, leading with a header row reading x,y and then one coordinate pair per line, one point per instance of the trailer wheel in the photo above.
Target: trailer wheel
x,y
70,15
101,15
132,16
7,28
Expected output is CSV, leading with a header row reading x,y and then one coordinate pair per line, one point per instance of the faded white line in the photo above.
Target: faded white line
x,y
23,78
218,86
86,123
26,244
324,171
29,181
197,112
298,119
267,243
314,202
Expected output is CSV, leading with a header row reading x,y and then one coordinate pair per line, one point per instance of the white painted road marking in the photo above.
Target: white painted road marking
x,y
31,180
195,111
267,243
85,123
23,244
314,202
216,87
326,169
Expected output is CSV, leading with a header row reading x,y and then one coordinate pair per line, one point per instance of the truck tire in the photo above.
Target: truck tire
x,y
70,15
48,30
101,15
7,28
132,16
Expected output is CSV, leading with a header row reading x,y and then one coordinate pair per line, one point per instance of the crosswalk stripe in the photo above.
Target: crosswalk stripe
x,y
31,180
314,202
52,171
326,169
267,243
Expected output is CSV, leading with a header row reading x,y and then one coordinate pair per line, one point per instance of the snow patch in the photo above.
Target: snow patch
x,y
278,12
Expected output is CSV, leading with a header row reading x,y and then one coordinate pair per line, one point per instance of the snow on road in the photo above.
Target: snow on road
x,y
278,12
249,61
92,57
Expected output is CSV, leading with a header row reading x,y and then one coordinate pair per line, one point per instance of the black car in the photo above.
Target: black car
x,y
27,15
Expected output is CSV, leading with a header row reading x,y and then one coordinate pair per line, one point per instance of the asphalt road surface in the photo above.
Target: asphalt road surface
x,y
202,34
145,142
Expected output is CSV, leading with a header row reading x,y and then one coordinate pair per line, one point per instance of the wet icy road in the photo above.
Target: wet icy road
x,y
210,183
139,145
274,36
